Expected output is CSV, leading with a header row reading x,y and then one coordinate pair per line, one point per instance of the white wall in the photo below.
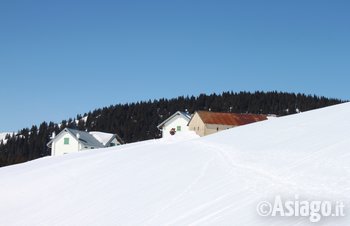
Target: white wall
x,y
178,120
59,148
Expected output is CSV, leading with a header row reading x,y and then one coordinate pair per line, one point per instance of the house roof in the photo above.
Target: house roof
x,y
185,114
233,119
105,138
83,137
94,138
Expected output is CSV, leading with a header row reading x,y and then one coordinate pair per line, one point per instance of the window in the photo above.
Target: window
x,y
178,128
112,144
66,140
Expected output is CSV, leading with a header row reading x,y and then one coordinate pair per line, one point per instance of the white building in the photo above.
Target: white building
x,y
71,140
177,123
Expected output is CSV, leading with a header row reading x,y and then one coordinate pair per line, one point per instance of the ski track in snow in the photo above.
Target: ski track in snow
x,y
181,195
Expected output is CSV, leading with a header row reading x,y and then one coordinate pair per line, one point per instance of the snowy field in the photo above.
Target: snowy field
x,y
216,180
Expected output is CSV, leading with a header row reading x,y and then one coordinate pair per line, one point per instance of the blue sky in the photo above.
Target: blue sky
x,y
61,58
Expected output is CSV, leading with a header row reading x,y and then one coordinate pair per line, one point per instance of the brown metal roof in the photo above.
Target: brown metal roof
x,y
233,119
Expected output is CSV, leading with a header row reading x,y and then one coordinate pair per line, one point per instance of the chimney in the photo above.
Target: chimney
x,y
53,135
78,136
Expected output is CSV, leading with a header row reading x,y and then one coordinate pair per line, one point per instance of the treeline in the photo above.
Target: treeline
x,y
138,121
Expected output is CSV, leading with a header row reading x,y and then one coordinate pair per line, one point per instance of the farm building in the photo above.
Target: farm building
x,y
207,122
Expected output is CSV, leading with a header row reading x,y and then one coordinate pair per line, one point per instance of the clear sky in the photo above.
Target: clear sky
x,y
61,58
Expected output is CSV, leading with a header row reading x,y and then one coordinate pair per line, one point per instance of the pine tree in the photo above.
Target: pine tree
x,y
138,121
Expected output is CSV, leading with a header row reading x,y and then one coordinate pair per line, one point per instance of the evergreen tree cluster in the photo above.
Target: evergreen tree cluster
x,y
138,121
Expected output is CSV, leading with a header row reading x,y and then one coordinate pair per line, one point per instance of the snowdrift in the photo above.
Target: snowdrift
x,y
215,180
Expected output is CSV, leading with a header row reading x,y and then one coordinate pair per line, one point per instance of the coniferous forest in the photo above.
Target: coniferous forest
x,y
138,121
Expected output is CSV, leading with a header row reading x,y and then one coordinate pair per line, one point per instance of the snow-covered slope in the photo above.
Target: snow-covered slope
x,y
216,180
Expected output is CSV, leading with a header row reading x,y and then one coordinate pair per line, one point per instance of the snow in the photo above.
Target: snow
x,y
214,180
103,138
77,121
3,135
180,136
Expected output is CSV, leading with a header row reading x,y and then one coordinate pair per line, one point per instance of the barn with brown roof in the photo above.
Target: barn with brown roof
x,y
207,122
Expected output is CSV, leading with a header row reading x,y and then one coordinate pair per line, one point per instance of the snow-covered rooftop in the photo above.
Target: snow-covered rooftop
x,y
102,137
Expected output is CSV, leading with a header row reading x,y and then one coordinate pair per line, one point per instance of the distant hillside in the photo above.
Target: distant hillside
x,y
138,121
